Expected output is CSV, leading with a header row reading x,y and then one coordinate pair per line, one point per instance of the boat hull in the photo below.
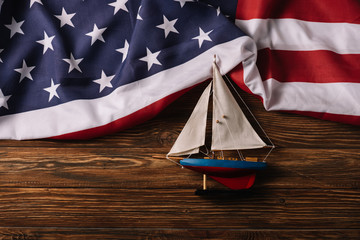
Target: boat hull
x,y
233,174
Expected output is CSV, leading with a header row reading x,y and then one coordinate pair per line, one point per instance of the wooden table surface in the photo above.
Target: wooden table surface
x,y
122,187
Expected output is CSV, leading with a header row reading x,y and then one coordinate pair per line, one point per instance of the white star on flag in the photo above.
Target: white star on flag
x,y
124,50
168,26
3,100
24,71
15,27
96,34
203,36
182,2
73,63
52,90
218,11
46,42
35,1
0,52
119,4
138,17
151,58
65,18
104,81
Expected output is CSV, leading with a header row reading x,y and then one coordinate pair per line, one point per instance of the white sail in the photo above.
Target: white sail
x,y
231,129
192,137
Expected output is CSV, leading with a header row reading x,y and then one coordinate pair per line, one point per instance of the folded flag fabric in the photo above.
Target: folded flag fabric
x,y
308,56
84,68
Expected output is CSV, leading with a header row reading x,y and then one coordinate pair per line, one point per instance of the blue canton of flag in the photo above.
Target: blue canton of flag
x,y
70,66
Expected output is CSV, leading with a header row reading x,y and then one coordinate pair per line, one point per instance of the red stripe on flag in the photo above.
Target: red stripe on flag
x,y
308,66
308,10
237,76
131,120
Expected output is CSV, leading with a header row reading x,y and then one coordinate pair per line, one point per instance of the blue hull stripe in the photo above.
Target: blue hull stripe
x,y
222,163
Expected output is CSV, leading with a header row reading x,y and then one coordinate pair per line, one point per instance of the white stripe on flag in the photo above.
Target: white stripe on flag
x,y
298,35
336,98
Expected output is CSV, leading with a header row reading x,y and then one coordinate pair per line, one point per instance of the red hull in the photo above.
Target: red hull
x,y
237,183
233,178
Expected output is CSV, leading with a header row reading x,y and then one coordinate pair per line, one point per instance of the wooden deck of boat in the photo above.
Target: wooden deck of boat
x,y
122,187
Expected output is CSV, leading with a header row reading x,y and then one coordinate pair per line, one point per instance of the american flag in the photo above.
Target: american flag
x,y
308,56
84,68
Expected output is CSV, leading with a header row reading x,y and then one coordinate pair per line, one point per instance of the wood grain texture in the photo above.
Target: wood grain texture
x,y
159,208
122,187
148,168
171,234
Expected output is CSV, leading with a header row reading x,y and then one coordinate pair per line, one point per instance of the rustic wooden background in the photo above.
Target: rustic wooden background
x,y
122,187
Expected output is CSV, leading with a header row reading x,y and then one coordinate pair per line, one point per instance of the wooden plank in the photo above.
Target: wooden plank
x,y
133,233
164,208
148,168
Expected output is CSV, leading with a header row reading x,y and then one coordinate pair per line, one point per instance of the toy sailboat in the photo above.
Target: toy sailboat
x,y
230,131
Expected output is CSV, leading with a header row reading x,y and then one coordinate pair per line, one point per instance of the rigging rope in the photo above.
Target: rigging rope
x,y
242,100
